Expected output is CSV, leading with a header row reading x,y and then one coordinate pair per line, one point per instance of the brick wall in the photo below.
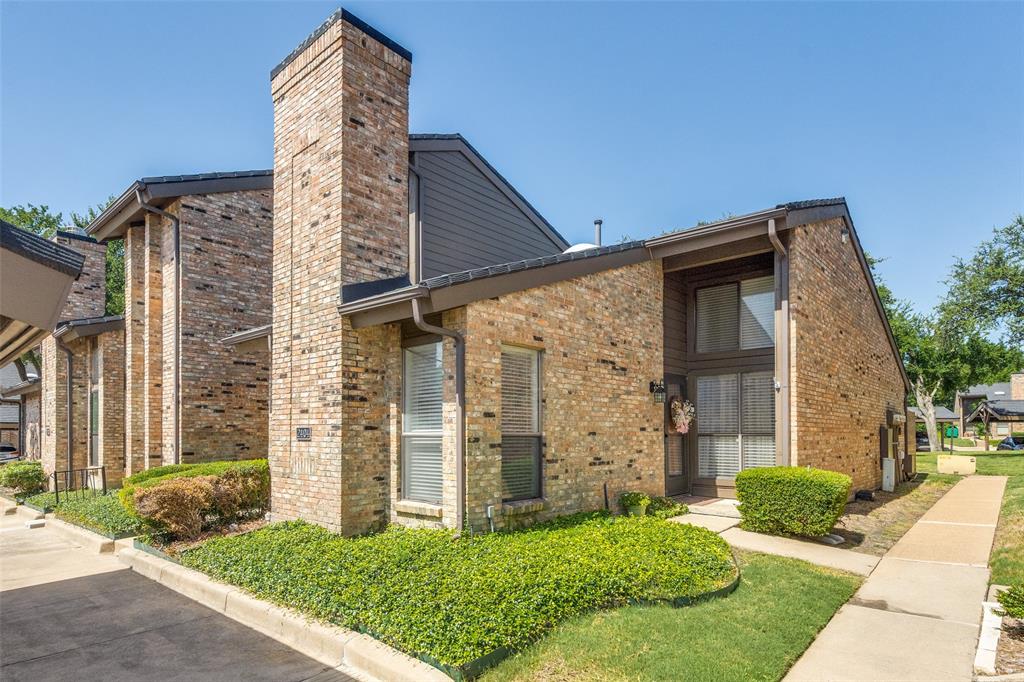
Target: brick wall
x,y
601,338
1017,386
226,284
340,216
844,374
9,436
152,339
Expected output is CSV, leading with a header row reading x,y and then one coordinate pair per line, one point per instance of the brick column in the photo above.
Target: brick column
x,y
134,340
340,215
153,343
112,403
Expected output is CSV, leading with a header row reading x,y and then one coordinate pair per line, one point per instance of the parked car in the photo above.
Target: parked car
x,y
922,443
1011,443
9,453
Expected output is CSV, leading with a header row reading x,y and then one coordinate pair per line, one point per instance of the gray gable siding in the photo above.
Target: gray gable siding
x,y
467,221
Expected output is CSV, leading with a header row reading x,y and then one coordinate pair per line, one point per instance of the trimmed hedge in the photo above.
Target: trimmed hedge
x,y
182,500
23,477
157,475
791,500
104,514
453,601
1012,601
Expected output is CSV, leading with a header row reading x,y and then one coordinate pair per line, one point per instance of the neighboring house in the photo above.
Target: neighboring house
x,y
999,404
204,240
20,391
437,358
82,375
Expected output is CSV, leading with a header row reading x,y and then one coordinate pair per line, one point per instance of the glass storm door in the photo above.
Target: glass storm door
x,y
676,479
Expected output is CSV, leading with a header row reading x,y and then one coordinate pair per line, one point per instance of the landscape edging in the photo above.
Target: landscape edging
x,y
328,644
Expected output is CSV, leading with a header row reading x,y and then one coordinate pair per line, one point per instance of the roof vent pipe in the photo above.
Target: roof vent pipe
x,y
597,231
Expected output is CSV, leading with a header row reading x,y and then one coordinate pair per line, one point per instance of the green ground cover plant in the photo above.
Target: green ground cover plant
x,y
1012,601
757,633
791,500
666,508
24,478
103,513
43,501
1007,558
455,600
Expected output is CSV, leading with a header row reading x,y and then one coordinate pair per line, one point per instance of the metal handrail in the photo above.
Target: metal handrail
x,y
77,482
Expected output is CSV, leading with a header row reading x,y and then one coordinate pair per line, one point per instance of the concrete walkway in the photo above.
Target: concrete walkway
x,y
807,550
70,614
918,615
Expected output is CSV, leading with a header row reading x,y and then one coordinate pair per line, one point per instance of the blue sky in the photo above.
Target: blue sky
x,y
651,116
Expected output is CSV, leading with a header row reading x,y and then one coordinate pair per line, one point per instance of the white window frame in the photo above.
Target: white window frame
x,y
430,433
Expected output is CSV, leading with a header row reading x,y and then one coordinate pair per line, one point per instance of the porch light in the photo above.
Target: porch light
x,y
658,389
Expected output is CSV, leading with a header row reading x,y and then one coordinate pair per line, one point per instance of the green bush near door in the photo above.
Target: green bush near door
x,y
23,477
791,500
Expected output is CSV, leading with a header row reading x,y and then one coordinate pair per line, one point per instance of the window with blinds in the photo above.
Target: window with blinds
x,y
422,423
736,316
520,424
735,423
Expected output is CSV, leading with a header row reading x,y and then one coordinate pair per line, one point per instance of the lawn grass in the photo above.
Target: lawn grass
x,y
756,633
1007,559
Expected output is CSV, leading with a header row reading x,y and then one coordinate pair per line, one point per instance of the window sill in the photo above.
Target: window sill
x,y
419,508
522,507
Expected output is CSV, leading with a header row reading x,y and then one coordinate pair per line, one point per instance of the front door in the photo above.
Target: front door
x,y
676,475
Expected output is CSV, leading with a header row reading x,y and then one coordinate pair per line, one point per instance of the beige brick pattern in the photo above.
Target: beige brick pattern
x,y
844,373
340,216
152,343
134,362
112,405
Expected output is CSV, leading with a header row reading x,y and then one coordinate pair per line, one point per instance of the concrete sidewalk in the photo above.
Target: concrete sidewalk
x,y
918,615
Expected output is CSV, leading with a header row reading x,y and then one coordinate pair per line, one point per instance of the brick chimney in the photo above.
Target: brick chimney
x,y
88,295
1017,385
341,150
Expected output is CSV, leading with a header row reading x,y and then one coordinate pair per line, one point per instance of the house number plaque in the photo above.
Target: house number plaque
x,y
303,433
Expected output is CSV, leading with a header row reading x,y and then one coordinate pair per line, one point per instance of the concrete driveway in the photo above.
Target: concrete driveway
x,y
67,614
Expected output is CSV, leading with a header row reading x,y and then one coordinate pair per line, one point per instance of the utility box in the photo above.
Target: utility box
x,y
888,474
957,464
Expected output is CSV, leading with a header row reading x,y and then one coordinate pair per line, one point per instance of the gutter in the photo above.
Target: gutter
x,y
460,408
69,359
176,227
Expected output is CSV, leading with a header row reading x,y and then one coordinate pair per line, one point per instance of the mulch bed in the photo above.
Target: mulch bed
x,y
176,547
1010,653
872,527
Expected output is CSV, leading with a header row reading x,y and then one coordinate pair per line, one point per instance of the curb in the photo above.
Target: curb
x,y
988,639
93,542
328,644
28,513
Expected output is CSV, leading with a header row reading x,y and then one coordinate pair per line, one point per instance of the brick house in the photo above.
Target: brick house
x,y
20,395
448,364
999,405
204,241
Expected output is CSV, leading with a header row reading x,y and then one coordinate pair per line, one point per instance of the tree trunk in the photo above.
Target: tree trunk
x,y
926,403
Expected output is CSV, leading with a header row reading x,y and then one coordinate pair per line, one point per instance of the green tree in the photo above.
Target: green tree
x,y
38,219
986,291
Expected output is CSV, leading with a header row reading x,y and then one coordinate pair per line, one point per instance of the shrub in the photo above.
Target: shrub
x,y
227,492
23,477
178,505
666,508
103,513
258,495
1012,601
634,499
791,500
455,600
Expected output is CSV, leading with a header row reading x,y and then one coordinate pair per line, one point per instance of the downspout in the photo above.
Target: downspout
x,y
782,342
176,228
69,360
460,408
